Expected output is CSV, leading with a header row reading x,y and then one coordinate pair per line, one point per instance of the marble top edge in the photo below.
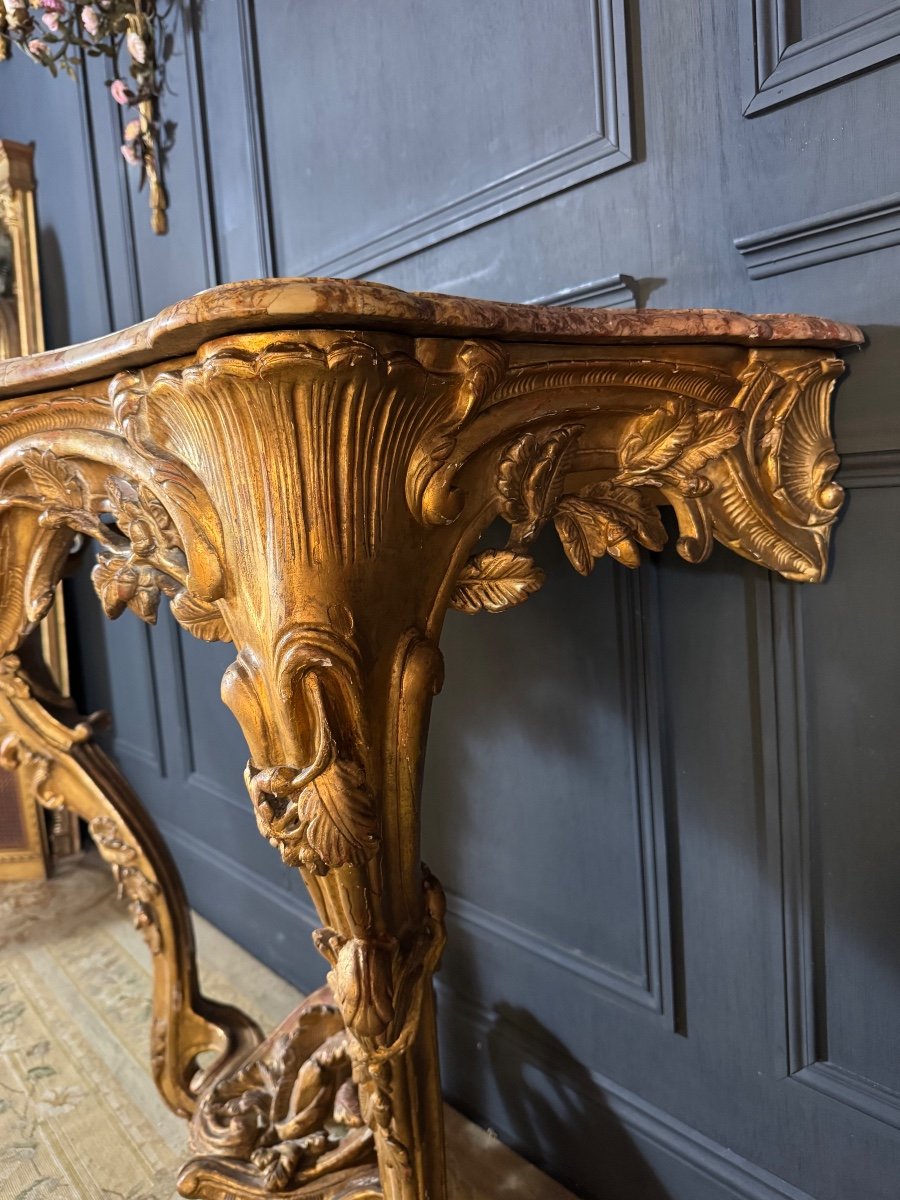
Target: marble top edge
x,y
260,304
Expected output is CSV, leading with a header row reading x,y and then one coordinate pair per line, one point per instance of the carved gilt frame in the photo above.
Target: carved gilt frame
x,y
18,216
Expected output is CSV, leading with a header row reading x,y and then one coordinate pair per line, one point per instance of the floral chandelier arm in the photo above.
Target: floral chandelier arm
x,y
57,34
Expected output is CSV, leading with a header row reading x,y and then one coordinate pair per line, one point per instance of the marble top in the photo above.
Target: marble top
x,y
262,304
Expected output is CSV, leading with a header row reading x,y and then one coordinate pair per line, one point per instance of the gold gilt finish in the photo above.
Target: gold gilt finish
x,y
314,492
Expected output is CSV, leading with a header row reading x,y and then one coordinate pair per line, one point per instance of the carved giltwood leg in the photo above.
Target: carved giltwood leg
x,y
61,767
349,820
45,740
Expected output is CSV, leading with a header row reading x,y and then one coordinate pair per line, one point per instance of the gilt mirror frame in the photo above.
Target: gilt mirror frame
x,y
17,218
21,333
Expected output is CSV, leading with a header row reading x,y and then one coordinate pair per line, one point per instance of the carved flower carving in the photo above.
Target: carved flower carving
x,y
142,518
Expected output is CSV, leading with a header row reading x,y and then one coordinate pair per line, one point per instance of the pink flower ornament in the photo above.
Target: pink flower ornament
x,y
90,20
56,6
119,91
38,48
51,20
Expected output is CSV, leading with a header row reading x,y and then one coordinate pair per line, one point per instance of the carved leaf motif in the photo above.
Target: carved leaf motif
x,y
607,519
718,429
203,620
582,536
655,439
141,517
58,482
496,580
671,444
531,477
337,809
124,582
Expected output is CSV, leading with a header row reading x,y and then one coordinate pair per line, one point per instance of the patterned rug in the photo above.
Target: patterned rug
x,y
80,1118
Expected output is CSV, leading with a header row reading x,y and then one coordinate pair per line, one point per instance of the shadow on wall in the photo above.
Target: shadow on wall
x,y
554,1118
533,729
54,297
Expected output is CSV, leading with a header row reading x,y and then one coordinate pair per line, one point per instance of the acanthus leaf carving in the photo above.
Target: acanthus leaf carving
x,y
662,449
57,482
669,445
607,518
495,580
320,816
530,480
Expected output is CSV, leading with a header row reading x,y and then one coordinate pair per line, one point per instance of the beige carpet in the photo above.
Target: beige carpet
x,y
79,1116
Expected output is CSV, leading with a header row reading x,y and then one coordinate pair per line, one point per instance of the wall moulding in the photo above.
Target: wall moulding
x,y
792,841
870,468
712,1163
857,229
607,147
615,291
649,988
781,66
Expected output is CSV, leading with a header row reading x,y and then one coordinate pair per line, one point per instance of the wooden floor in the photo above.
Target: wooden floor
x,y
79,1116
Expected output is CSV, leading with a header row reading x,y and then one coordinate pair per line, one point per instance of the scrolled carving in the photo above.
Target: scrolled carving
x,y
132,885
792,440
291,1113
15,755
141,557
52,748
320,815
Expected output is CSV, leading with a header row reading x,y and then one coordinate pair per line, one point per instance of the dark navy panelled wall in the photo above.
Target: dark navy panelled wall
x,y
664,804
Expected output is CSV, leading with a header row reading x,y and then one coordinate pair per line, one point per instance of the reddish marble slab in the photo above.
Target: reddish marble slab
x,y
262,304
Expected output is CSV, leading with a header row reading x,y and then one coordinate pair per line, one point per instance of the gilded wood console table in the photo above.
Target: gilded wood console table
x,y
304,468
